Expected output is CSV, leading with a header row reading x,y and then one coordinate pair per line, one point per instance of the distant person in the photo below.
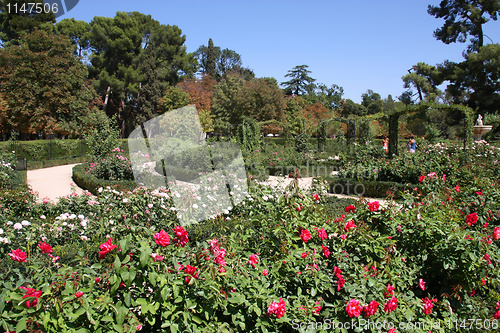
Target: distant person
x,y
385,144
412,144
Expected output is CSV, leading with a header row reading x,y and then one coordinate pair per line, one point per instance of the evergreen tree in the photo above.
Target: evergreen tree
x,y
212,55
13,24
464,19
300,82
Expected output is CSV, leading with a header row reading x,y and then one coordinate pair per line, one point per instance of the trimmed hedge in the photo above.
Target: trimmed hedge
x,y
92,184
184,175
367,188
33,165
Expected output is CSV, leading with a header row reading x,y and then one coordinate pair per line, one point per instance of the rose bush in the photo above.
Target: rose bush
x,y
121,262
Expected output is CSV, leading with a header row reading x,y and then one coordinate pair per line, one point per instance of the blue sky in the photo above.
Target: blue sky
x,y
356,44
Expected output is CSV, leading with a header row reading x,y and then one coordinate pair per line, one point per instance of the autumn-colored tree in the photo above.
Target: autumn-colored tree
x,y
313,114
262,100
3,115
200,91
44,85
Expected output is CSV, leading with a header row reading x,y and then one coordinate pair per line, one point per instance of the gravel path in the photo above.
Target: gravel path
x,y
306,183
53,183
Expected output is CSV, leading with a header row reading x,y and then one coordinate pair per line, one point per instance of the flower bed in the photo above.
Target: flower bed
x,y
276,263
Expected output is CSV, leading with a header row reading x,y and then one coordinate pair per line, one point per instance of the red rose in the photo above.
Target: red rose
x,y
350,208
277,308
353,308
161,238
45,247
391,305
326,251
18,255
106,247
182,236
31,292
370,309
322,234
305,235
79,294
349,225
373,206
471,219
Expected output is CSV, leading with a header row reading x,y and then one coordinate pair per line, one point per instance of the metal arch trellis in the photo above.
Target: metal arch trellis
x,y
393,120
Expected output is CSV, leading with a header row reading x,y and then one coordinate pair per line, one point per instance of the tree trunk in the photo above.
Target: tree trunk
x,y
106,99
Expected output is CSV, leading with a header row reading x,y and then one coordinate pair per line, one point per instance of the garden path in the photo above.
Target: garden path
x,y
306,183
53,183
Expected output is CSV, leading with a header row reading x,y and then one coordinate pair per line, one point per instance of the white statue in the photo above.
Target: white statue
x,y
479,121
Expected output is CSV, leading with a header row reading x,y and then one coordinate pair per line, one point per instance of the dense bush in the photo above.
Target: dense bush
x,y
276,263
86,180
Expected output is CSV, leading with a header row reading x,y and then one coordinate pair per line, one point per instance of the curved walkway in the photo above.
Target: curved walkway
x,y
306,183
53,183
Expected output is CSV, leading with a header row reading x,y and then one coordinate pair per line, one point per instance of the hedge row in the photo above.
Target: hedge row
x,y
367,188
176,173
92,184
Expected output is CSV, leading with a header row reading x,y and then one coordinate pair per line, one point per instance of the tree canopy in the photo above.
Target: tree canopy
x,y
464,19
44,85
300,82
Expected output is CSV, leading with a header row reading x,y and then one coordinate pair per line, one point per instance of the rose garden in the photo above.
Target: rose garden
x,y
282,260
267,206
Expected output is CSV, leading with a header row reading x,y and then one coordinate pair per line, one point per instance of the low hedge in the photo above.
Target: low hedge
x,y
367,188
33,165
92,184
181,174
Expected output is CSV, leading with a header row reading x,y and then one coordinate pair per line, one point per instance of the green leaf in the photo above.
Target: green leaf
x,y
196,319
236,298
21,325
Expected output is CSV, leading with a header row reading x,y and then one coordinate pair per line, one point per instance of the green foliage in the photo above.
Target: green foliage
x,y
16,25
44,85
91,183
226,102
7,172
302,142
464,19
114,167
249,135
102,139
300,82
142,284
174,98
119,45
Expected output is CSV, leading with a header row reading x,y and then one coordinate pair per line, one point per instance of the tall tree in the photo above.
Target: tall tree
x,y
77,31
425,79
18,18
226,102
262,100
372,101
476,81
211,59
300,82
350,108
118,45
217,62
44,85
463,19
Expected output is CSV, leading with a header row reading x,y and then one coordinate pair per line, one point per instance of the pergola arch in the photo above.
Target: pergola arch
x,y
393,120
